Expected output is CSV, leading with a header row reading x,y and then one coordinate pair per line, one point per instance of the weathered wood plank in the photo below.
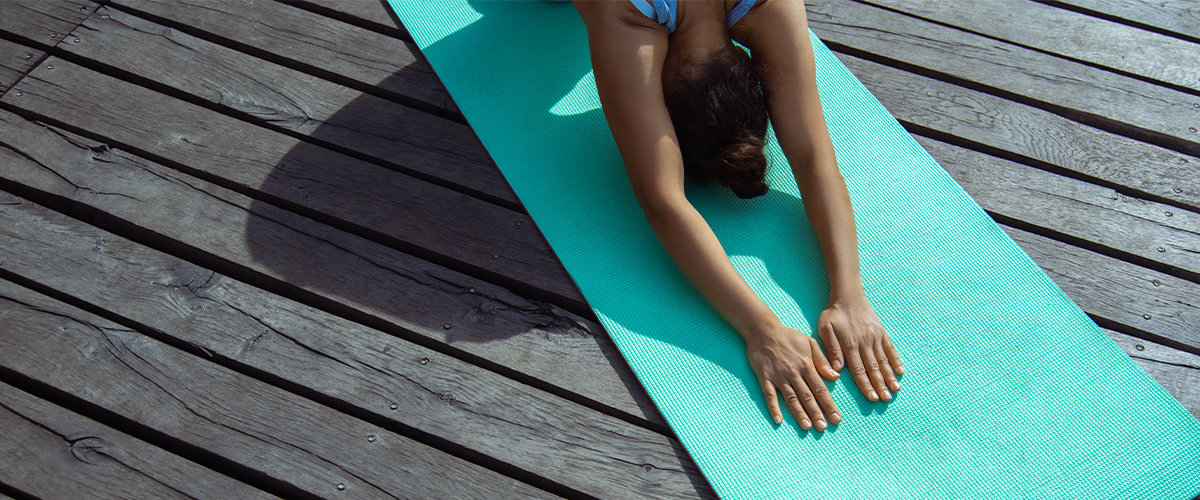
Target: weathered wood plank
x,y
50,451
415,215
371,11
1118,291
1179,16
266,429
15,60
326,111
1075,208
434,393
1176,371
1030,132
302,37
43,22
531,337
1084,92
1069,34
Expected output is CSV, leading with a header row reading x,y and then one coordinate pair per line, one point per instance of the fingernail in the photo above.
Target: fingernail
x,y
887,396
837,364
835,418
820,425
900,370
872,396
778,420
895,385
805,423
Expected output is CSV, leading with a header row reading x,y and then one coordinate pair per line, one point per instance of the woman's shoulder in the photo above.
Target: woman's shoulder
x,y
607,13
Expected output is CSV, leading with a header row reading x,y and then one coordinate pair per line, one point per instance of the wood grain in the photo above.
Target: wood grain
x,y
533,338
1179,16
261,427
434,393
328,112
290,34
1031,133
415,215
1118,291
1077,91
50,451
1092,213
15,60
1176,371
1069,34
43,22
371,11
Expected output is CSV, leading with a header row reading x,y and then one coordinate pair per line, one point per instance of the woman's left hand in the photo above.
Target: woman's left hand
x,y
854,337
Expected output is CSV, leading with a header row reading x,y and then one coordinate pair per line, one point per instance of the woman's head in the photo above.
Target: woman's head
x,y
720,116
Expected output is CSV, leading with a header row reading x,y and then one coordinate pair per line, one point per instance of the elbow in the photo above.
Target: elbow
x,y
661,206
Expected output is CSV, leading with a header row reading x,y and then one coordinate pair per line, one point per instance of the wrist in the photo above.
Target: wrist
x,y
759,328
847,294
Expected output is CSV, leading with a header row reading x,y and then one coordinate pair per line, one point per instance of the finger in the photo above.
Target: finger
x,y
821,363
872,364
793,401
893,356
823,398
832,346
885,369
772,401
859,372
807,399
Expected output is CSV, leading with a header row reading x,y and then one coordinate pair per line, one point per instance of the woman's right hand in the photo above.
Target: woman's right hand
x,y
790,364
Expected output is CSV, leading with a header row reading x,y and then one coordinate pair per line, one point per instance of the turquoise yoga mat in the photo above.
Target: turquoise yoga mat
x,y
1011,391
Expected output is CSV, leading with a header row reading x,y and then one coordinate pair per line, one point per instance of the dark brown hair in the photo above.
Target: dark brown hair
x,y
720,117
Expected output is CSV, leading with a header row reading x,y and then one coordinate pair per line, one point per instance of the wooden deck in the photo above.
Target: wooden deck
x,y
252,248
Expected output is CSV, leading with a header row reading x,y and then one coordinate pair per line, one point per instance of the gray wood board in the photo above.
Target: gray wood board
x,y
1176,371
1179,16
15,60
43,22
1167,116
1090,212
49,451
259,426
284,97
1141,298
286,32
411,212
436,394
529,337
372,11
1031,133
1069,34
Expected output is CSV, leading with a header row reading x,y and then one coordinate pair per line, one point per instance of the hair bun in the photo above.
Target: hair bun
x,y
744,166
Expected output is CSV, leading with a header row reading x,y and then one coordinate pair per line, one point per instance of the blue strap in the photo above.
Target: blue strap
x,y
739,10
661,11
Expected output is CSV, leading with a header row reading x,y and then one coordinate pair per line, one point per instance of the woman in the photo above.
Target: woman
x,y
680,97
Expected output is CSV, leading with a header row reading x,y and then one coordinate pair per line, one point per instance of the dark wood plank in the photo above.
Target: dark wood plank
x,y
1069,88
434,393
370,11
15,60
1141,298
285,32
259,426
50,451
415,215
1176,371
1179,16
1075,208
1029,132
1069,34
43,22
443,306
328,112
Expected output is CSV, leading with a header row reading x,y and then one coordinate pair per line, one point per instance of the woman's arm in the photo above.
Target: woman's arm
x,y
627,53
777,34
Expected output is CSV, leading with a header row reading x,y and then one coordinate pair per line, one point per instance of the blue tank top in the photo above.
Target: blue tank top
x,y
664,12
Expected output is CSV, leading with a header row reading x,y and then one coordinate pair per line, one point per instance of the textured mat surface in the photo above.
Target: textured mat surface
x,y
1011,390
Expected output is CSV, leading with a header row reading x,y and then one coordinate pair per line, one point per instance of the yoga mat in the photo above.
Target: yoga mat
x,y
1011,390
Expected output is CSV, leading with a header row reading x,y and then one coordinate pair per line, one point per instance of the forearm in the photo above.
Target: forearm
x,y
690,242
827,202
